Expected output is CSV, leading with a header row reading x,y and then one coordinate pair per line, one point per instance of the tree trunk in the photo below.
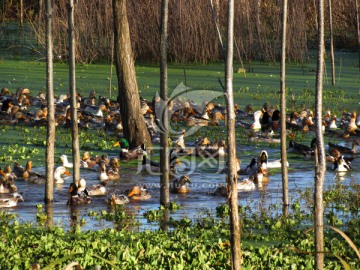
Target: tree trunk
x,y
232,173
164,148
135,130
39,21
358,27
72,86
331,45
320,159
21,19
284,170
50,135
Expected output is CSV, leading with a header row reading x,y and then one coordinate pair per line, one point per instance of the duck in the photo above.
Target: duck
x,y
249,169
246,184
7,187
41,179
341,165
154,167
108,175
99,189
65,161
346,150
139,193
300,148
117,199
77,198
256,125
8,174
87,162
10,200
179,185
214,150
125,153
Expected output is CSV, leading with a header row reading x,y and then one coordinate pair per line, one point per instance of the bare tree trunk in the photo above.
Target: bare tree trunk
x,y
72,86
232,173
358,27
21,13
331,45
135,130
320,160
39,21
50,136
284,170
164,150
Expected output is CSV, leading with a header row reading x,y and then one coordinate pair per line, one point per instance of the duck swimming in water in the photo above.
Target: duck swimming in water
x,y
10,200
179,185
77,198
138,193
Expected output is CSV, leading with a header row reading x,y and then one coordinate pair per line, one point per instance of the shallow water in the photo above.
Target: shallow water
x,y
199,202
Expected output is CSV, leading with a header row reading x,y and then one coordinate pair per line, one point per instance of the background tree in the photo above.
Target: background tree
x,y
320,166
164,147
50,135
284,171
232,173
358,28
135,130
72,85
331,44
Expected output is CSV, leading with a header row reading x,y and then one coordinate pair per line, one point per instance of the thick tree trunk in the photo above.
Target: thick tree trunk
x,y
358,27
135,130
284,170
50,136
232,173
164,150
72,86
320,153
331,44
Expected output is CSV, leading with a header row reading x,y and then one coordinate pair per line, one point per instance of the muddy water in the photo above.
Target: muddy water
x,y
199,202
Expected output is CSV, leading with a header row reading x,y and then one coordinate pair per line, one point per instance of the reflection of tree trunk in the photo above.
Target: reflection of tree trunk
x,y
358,27
320,166
135,130
72,86
164,221
232,173
284,171
50,135
164,147
331,45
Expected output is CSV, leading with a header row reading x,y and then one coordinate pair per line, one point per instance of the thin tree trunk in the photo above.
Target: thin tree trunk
x,y
320,160
50,135
39,21
21,13
358,27
284,170
232,173
135,130
72,86
164,148
331,45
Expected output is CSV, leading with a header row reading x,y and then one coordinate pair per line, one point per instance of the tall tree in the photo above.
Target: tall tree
x,y
135,130
320,165
331,44
164,150
72,84
358,27
284,171
50,135
21,15
232,173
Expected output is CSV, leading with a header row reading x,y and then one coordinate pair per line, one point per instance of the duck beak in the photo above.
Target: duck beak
x,y
117,143
70,189
149,110
67,173
131,193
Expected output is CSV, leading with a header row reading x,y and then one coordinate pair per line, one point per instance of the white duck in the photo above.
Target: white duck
x,y
256,125
10,200
246,184
65,161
